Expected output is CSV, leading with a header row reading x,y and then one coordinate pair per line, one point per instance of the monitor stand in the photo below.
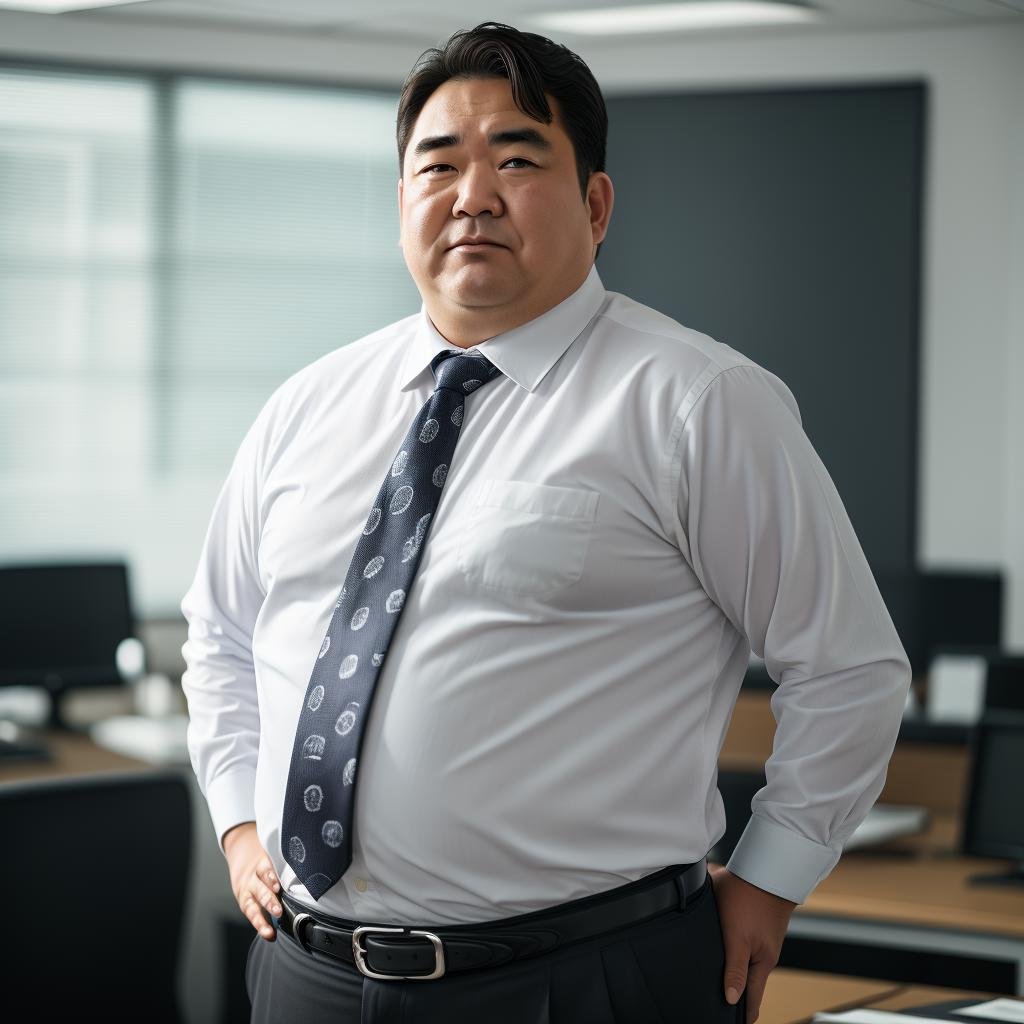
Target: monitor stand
x,y
1015,876
21,743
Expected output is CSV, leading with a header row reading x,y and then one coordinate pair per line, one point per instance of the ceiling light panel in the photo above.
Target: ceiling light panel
x,y
675,17
62,6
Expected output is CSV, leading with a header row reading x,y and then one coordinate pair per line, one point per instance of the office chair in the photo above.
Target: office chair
x,y
737,789
95,871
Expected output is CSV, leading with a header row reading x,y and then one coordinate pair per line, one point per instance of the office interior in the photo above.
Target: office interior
x,y
198,198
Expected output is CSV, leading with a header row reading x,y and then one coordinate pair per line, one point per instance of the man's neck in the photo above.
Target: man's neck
x,y
464,326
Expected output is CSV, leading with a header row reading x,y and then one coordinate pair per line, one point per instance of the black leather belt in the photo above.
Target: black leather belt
x,y
390,952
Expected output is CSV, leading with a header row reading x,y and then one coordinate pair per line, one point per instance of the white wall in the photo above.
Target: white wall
x,y
972,403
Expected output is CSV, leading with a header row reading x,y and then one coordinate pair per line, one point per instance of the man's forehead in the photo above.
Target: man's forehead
x,y
467,105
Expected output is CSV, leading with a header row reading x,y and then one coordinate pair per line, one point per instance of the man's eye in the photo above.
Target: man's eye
x,y
434,167
520,159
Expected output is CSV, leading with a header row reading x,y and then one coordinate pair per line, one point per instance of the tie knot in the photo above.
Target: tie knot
x,y
462,373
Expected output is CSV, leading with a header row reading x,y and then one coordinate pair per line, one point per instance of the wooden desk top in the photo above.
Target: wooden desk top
x,y
74,754
793,997
920,881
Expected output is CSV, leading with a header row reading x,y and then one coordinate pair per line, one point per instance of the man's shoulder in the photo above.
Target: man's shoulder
x,y
673,346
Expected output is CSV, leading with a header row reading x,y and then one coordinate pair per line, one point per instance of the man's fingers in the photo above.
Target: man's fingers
x,y
266,873
265,896
252,909
737,959
756,981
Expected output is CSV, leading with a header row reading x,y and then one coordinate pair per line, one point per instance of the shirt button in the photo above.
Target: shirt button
x,y
361,884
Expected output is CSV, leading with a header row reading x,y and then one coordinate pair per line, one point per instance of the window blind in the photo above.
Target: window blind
x,y
171,249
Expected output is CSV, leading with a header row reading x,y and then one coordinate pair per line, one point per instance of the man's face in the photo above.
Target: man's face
x,y
476,167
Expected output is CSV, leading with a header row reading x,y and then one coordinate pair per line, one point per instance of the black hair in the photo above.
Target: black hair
x,y
533,65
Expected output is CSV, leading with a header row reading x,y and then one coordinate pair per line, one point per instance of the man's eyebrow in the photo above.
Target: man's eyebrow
x,y
524,136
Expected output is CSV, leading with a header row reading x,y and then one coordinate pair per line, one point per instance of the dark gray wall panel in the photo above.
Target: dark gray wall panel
x,y
787,224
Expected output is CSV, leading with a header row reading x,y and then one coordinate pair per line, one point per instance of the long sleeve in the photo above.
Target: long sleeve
x,y
221,607
765,531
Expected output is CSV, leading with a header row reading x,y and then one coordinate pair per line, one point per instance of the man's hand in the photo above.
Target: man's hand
x,y
252,877
754,924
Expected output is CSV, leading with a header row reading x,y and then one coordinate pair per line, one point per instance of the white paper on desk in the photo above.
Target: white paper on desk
x,y
996,1009
872,1017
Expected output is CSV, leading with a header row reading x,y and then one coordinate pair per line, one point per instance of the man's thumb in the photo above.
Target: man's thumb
x,y
736,962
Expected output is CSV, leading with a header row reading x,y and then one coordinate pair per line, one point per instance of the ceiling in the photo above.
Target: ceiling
x,y
401,20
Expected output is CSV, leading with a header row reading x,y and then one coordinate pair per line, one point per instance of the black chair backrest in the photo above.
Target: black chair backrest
x,y
95,872
737,789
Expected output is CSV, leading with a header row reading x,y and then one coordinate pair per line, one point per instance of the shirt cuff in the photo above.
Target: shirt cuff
x,y
232,800
780,861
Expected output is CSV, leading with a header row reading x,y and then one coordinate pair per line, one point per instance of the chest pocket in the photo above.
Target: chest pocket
x,y
526,538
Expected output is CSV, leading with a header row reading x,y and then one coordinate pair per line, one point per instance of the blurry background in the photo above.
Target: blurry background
x,y
198,197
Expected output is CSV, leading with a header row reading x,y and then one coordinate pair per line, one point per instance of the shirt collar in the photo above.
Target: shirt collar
x,y
526,353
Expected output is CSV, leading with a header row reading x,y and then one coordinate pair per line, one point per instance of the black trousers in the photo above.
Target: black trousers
x,y
667,970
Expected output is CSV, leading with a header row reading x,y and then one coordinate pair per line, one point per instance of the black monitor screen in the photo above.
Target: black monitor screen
x,y
995,813
61,624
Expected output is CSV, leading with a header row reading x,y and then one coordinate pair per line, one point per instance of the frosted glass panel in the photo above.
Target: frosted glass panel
x,y
170,251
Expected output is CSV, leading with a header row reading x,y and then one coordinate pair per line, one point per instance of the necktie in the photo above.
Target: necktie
x,y
316,832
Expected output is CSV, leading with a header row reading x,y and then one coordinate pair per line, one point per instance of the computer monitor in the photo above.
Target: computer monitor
x,y
60,626
1004,682
994,810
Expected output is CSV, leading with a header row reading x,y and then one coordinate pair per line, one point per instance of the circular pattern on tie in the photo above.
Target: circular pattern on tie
x,y
359,617
348,776
421,527
296,849
313,748
313,797
395,601
373,566
372,522
457,416
324,647
316,698
398,466
429,431
348,666
440,474
401,500
471,385
409,549
377,658
347,719
332,833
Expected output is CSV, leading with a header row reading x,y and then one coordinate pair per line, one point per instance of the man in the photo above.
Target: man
x,y
625,509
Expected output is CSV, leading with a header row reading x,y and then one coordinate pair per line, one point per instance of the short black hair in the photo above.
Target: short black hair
x,y
533,65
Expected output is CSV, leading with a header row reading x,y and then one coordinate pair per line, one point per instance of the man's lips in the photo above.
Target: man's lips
x,y
476,243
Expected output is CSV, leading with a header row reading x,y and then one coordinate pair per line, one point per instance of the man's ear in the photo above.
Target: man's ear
x,y
400,186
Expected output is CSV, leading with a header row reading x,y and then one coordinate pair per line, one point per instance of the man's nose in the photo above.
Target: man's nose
x,y
478,193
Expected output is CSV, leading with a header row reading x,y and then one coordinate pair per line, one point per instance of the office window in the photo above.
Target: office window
x,y
171,249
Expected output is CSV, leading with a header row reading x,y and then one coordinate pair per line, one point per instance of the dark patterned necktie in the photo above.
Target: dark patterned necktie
x,y
316,832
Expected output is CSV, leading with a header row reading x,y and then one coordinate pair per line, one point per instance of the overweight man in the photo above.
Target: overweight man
x,y
475,605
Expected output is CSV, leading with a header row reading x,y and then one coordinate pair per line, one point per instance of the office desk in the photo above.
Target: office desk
x,y
210,898
911,895
914,896
74,754
793,997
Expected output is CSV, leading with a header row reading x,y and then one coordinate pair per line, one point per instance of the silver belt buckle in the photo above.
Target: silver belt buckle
x,y
359,954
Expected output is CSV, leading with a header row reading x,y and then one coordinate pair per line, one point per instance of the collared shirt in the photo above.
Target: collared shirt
x,y
631,508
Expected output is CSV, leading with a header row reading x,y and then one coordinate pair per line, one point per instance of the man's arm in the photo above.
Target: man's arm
x,y
762,526
221,607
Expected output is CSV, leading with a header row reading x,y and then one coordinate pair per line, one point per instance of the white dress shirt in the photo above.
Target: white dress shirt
x,y
630,509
